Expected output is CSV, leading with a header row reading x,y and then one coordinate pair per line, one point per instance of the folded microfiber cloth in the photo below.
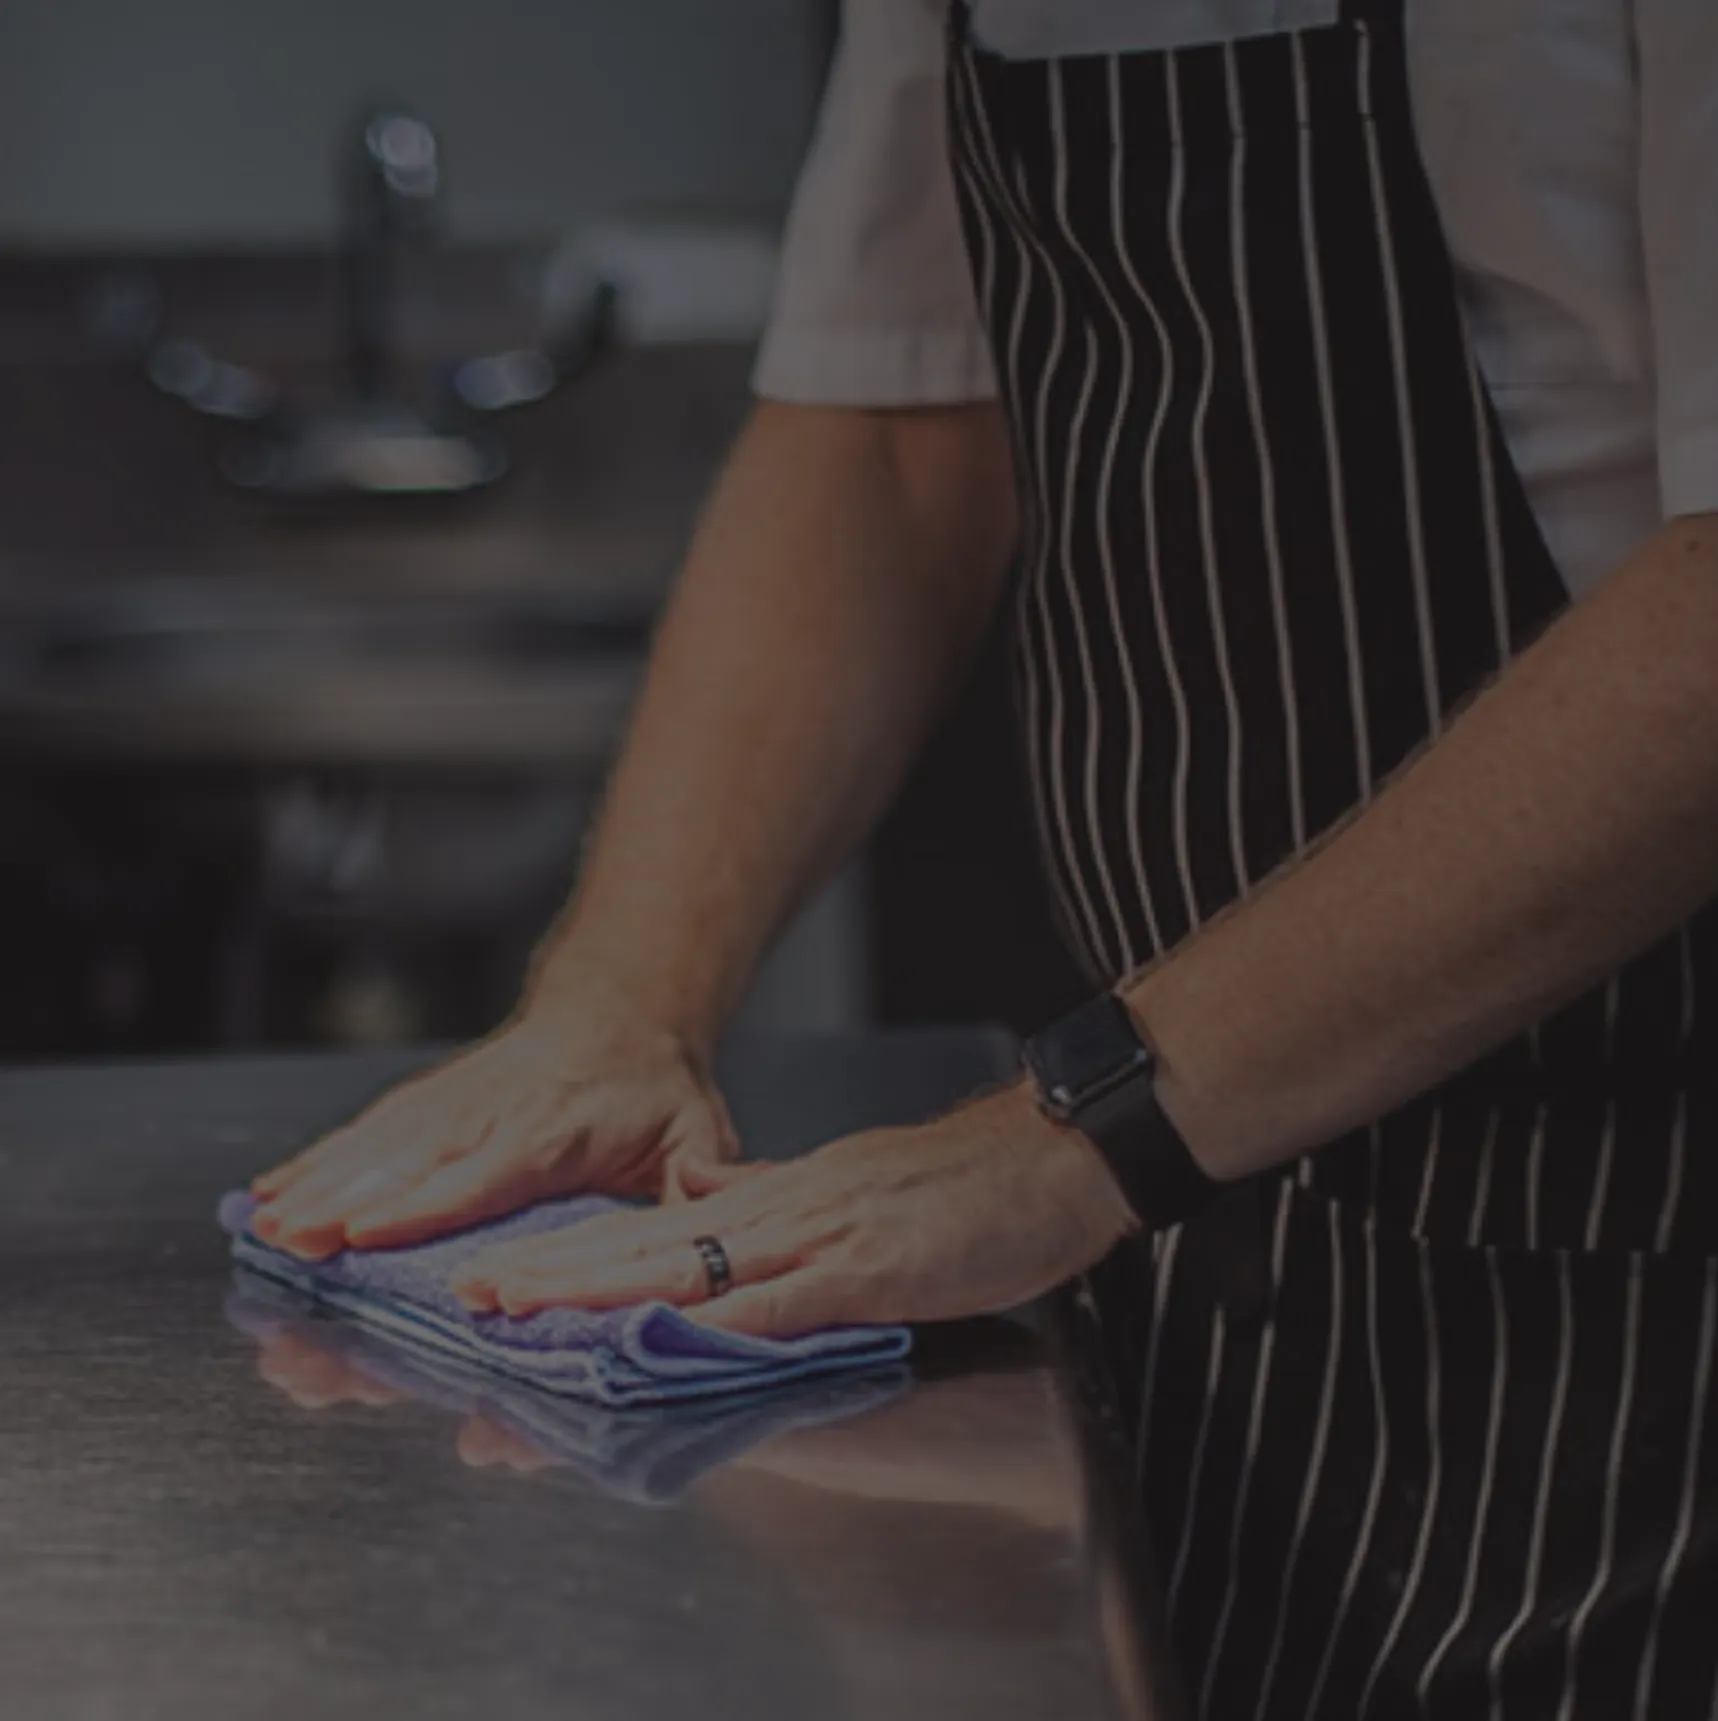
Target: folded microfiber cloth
x,y
650,1456
648,1354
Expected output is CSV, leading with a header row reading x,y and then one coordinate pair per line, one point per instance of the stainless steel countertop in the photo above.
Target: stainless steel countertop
x,y
180,1538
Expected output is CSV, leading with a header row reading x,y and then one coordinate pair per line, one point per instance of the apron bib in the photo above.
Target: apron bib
x,y
1272,540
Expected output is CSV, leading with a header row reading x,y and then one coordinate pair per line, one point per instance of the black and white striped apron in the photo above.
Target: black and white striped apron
x,y
1466,1461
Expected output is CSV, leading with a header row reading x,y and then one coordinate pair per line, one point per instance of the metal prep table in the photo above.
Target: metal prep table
x,y
181,1539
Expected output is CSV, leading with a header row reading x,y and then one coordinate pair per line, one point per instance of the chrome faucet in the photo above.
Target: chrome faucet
x,y
392,195
382,435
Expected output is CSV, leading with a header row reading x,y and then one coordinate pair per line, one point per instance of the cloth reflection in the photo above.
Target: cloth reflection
x,y
887,1499
649,1456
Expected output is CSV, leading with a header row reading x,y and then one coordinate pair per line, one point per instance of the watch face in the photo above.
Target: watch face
x,y
1086,1054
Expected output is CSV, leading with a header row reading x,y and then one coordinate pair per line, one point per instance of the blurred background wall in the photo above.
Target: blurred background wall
x,y
337,506
199,121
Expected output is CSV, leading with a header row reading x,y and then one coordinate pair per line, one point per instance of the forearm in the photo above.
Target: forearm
x,y
1565,821
844,571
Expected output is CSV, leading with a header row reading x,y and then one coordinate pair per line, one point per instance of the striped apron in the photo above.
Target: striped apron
x,y
1462,1459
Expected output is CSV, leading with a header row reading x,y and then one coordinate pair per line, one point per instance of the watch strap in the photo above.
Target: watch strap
x,y
1160,1178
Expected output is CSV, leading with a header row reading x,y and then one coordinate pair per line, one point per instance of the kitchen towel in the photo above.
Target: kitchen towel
x,y
649,1456
645,1355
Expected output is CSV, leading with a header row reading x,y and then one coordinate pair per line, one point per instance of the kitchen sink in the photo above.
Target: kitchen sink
x,y
152,610
282,770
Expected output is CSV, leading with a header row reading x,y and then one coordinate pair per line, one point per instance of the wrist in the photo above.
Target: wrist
x,y
1097,1071
1083,1177
579,988
1226,1126
1175,1097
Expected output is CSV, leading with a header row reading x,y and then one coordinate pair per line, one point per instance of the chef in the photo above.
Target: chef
x,y
1330,387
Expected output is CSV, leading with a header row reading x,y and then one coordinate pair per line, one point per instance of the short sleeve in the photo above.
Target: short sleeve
x,y
874,304
1677,43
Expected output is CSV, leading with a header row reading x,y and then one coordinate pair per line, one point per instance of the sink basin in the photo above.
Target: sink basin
x,y
150,610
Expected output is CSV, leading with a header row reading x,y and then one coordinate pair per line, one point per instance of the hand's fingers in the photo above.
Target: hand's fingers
x,y
622,1237
701,1157
381,1120
466,1192
475,1283
559,1272
696,1152
307,1242
380,1171
612,1239
331,1188
280,1178
363,1160
698,1179
782,1307
672,1276
480,1282
313,1223
625,1235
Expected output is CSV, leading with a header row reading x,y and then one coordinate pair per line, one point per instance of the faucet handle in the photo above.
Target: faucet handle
x,y
401,166
397,175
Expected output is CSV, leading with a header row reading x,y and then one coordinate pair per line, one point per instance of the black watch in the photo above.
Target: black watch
x,y
1093,1071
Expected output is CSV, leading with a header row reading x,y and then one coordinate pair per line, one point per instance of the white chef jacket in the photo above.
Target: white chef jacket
x,y
1572,147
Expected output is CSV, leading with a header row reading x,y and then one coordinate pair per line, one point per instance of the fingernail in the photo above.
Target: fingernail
x,y
307,1247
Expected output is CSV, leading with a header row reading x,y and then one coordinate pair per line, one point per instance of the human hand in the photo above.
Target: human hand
x,y
590,1098
979,1211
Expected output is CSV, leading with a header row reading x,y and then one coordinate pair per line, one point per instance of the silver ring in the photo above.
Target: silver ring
x,y
718,1269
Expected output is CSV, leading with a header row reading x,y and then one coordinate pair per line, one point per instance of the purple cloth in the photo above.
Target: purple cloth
x,y
647,1354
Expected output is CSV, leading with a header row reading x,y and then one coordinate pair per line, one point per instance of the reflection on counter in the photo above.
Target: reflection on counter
x,y
904,1513
650,1456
